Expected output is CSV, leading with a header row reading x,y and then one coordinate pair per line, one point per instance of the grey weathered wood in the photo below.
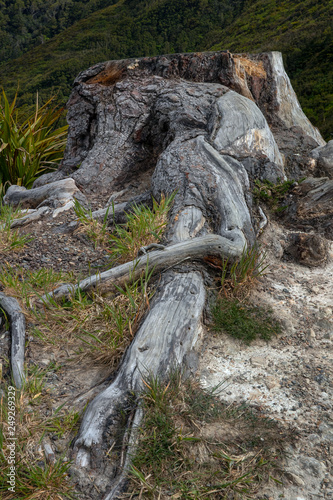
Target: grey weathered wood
x,y
172,115
17,328
62,190
32,217
169,332
155,261
110,210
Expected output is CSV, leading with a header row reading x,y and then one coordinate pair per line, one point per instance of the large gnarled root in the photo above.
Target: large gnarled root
x,y
155,261
17,327
169,333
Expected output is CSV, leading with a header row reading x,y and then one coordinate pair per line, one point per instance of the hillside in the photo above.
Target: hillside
x,y
301,30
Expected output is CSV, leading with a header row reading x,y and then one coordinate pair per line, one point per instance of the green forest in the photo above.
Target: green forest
x,y
44,44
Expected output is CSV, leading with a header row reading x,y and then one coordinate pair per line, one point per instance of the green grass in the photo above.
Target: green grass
x,y
100,326
143,227
240,277
273,194
193,446
244,321
97,231
27,285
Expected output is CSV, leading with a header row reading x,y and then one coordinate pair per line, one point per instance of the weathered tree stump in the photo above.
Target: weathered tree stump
x,y
198,125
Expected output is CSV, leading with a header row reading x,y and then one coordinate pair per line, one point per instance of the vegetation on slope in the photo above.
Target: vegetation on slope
x,y
129,28
24,25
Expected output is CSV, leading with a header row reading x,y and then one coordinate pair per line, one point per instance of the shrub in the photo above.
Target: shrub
x,y
32,147
273,194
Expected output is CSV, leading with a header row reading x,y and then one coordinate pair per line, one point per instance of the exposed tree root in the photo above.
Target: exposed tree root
x,y
17,328
155,261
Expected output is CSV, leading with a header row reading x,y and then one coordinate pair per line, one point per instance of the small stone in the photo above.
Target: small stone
x,y
258,361
294,479
271,383
311,334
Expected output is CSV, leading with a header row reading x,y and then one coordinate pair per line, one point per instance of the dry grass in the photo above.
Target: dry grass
x,y
100,327
192,446
143,226
97,326
10,239
97,231
35,478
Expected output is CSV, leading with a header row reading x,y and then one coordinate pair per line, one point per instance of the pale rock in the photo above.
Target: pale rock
x,y
258,361
311,334
272,382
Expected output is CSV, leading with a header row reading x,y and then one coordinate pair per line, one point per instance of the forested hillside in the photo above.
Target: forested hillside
x,y
98,30
24,25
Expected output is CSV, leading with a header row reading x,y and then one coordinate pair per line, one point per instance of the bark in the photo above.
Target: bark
x,y
17,328
311,205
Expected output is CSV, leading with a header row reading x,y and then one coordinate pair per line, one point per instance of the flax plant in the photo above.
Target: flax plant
x,y
32,147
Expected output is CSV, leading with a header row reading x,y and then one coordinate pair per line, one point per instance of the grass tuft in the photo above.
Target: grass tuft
x,y
243,321
240,277
143,227
34,477
98,232
273,194
32,147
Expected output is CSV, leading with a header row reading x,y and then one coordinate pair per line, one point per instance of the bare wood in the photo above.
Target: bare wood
x,y
113,211
109,211
61,190
169,333
156,261
17,327
32,217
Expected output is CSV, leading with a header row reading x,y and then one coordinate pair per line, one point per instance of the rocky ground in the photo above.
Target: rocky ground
x,y
289,378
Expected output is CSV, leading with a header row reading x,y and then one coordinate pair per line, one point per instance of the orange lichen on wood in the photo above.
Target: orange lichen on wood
x,y
252,68
109,76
